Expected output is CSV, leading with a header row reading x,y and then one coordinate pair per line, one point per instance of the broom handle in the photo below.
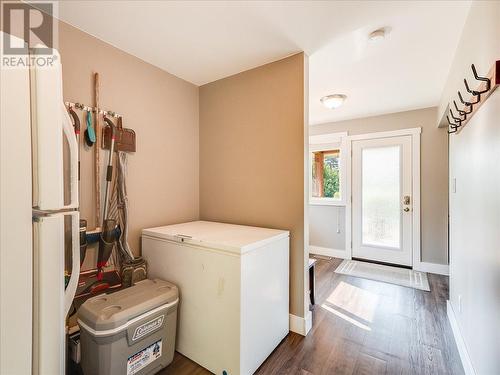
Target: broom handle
x,y
109,171
97,169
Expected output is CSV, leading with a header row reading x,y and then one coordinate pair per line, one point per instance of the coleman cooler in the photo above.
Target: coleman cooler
x,y
131,331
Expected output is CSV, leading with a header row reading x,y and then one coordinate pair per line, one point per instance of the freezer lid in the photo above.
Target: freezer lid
x,y
238,239
108,312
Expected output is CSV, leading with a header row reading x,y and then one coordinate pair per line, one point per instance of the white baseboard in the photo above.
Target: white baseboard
x,y
300,325
440,269
462,348
325,251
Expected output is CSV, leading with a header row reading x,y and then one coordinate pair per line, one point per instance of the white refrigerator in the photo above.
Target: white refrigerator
x,y
39,219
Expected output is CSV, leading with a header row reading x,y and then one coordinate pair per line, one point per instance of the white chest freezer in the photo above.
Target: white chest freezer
x,y
234,290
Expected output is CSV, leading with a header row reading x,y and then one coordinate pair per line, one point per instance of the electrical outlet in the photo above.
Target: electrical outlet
x,y
460,303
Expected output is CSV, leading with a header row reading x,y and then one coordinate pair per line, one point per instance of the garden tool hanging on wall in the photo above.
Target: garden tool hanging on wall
x,y
89,131
125,139
108,235
133,268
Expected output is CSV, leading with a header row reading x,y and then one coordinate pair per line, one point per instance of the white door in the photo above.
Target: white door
x,y
382,200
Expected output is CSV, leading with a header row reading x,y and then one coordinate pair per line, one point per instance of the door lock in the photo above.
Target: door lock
x,y
406,203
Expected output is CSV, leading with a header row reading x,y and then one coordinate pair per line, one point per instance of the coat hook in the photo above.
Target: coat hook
x,y
452,124
483,79
463,112
458,120
473,92
468,104
460,112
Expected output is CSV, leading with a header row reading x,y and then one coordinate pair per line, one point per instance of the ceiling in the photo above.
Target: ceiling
x,y
203,41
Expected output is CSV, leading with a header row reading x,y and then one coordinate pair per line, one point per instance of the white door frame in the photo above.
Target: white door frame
x,y
415,137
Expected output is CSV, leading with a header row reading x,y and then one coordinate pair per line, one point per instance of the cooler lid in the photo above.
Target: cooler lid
x,y
228,237
109,311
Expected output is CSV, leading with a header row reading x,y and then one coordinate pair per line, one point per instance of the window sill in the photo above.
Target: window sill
x,y
327,202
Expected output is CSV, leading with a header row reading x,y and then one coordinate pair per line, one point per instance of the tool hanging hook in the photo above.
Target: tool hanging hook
x,y
473,92
452,124
458,120
468,104
482,79
462,112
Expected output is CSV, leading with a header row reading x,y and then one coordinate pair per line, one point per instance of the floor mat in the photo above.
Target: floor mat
x,y
388,274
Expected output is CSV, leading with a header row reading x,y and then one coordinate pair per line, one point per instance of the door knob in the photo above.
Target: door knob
x,y
406,209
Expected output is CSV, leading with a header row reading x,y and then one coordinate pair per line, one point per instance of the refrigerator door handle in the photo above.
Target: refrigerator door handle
x,y
70,291
73,155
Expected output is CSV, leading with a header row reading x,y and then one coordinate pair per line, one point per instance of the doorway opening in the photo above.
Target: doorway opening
x,y
375,216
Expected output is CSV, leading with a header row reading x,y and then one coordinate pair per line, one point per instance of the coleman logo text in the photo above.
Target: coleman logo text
x,y
148,327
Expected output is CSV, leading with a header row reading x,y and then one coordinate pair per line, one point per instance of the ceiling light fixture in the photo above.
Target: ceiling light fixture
x,y
333,101
377,35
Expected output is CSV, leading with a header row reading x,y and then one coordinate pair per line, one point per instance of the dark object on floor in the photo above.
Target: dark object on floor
x,y
312,282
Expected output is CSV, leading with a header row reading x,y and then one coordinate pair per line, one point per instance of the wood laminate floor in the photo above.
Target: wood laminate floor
x,y
364,327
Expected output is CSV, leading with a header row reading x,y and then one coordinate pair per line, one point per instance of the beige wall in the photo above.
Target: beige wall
x,y
163,110
252,155
475,206
434,173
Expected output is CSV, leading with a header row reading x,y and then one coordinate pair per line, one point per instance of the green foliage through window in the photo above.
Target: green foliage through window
x,y
331,185
327,164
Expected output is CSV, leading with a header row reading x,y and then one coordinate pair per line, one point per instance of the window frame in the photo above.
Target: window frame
x,y
328,142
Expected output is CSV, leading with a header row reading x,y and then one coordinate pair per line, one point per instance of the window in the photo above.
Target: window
x,y
326,174
327,167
